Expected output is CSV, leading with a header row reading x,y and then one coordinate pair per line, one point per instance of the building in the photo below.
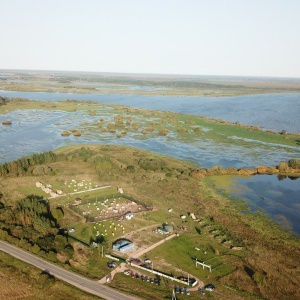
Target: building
x,y
123,246
129,216
169,228
120,244
161,230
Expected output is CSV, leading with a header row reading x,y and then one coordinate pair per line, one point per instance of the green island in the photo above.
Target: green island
x,y
71,206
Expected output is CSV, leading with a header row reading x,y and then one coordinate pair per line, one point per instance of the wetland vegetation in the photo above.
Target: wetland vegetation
x,y
207,142
251,256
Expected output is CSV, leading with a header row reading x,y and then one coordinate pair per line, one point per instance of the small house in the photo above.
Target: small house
x,y
129,216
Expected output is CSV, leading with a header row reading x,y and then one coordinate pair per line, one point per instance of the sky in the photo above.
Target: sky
x,y
196,37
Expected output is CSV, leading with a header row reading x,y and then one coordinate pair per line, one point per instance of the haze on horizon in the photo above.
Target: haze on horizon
x,y
195,37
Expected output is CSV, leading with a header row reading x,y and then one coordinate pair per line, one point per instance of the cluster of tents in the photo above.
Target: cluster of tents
x,y
103,230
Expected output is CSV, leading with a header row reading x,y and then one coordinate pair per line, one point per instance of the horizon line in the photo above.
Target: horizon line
x,y
148,74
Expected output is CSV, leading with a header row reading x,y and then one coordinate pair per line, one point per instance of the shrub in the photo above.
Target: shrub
x,y
283,132
65,133
294,163
76,133
6,122
151,164
118,120
163,131
135,126
283,166
130,168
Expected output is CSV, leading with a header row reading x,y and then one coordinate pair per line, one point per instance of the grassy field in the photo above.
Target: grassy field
x,y
250,272
22,281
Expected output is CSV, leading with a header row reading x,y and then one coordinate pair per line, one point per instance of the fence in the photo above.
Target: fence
x,y
90,218
146,206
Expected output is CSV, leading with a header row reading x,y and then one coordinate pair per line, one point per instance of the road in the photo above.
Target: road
x,y
76,280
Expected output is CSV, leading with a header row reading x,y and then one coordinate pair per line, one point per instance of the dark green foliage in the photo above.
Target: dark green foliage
x,y
45,279
198,229
151,164
46,243
29,218
22,165
30,225
130,168
60,243
82,153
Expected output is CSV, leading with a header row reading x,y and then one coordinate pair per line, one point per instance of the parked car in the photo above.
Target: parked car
x,y
148,261
126,272
111,264
209,287
177,289
188,292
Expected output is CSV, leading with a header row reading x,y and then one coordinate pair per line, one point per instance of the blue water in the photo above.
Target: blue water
x,y
270,111
278,197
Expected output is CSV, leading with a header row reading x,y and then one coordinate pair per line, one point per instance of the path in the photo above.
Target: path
x,y
143,251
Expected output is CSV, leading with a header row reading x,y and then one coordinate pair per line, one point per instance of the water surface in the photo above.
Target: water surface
x,y
277,196
275,112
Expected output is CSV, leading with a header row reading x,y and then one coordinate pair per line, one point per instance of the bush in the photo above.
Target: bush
x,y
6,122
283,166
151,164
294,163
76,133
163,131
65,133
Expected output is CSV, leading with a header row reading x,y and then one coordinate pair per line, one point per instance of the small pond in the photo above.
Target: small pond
x,y
277,196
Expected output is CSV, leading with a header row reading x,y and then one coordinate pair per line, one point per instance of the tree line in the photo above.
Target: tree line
x,y
22,165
